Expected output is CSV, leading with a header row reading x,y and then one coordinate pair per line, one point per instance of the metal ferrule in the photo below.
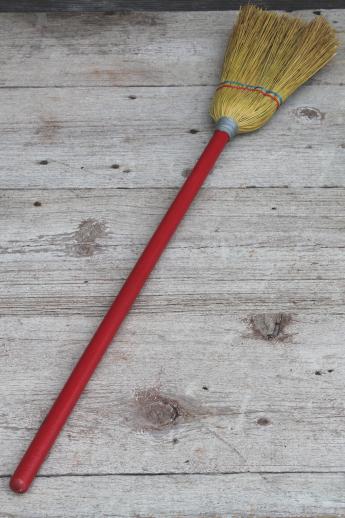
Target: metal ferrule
x,y
228,125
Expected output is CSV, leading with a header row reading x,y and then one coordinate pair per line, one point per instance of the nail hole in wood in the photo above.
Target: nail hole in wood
x,y
37,204
115,166
186,172
263,421
43,162
193,131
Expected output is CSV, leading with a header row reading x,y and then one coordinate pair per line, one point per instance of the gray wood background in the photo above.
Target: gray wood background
x,y
159,5
223,395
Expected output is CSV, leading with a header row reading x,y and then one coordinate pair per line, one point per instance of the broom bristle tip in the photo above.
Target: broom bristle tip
x,y
269,55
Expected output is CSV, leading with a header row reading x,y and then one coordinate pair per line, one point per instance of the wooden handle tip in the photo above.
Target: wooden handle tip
x,y
18,485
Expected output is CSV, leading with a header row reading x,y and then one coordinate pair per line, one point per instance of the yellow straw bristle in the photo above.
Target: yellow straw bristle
x,y
268,57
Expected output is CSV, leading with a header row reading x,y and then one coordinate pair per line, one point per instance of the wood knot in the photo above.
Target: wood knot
x,y
308,114
160,413
152,411
270,326
86,236
155,411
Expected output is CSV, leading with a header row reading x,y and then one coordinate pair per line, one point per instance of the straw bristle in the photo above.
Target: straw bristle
x,y
268,57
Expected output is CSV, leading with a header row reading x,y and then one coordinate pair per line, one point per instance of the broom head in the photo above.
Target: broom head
x,y
268,57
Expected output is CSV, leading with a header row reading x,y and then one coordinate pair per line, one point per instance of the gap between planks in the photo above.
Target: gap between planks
x,y
184,474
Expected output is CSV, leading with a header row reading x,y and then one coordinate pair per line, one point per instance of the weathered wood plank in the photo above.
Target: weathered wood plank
x,y
182,394
234,255
244,496
101,137
244,249
157,5
126,48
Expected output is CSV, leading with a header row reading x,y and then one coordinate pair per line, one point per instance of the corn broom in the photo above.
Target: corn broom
x,y
268,57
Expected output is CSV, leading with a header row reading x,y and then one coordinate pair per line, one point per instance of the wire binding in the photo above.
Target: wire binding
x,y
277,98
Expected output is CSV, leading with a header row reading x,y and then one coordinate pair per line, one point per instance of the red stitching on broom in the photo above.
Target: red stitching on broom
x,y
250,90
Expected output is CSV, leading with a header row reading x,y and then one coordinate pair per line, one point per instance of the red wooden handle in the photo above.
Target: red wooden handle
x,y
82,372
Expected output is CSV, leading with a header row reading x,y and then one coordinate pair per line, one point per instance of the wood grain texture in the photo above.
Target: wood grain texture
x,y
223,392
183,393
100,137
156,5
240,496
255,249
129,49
